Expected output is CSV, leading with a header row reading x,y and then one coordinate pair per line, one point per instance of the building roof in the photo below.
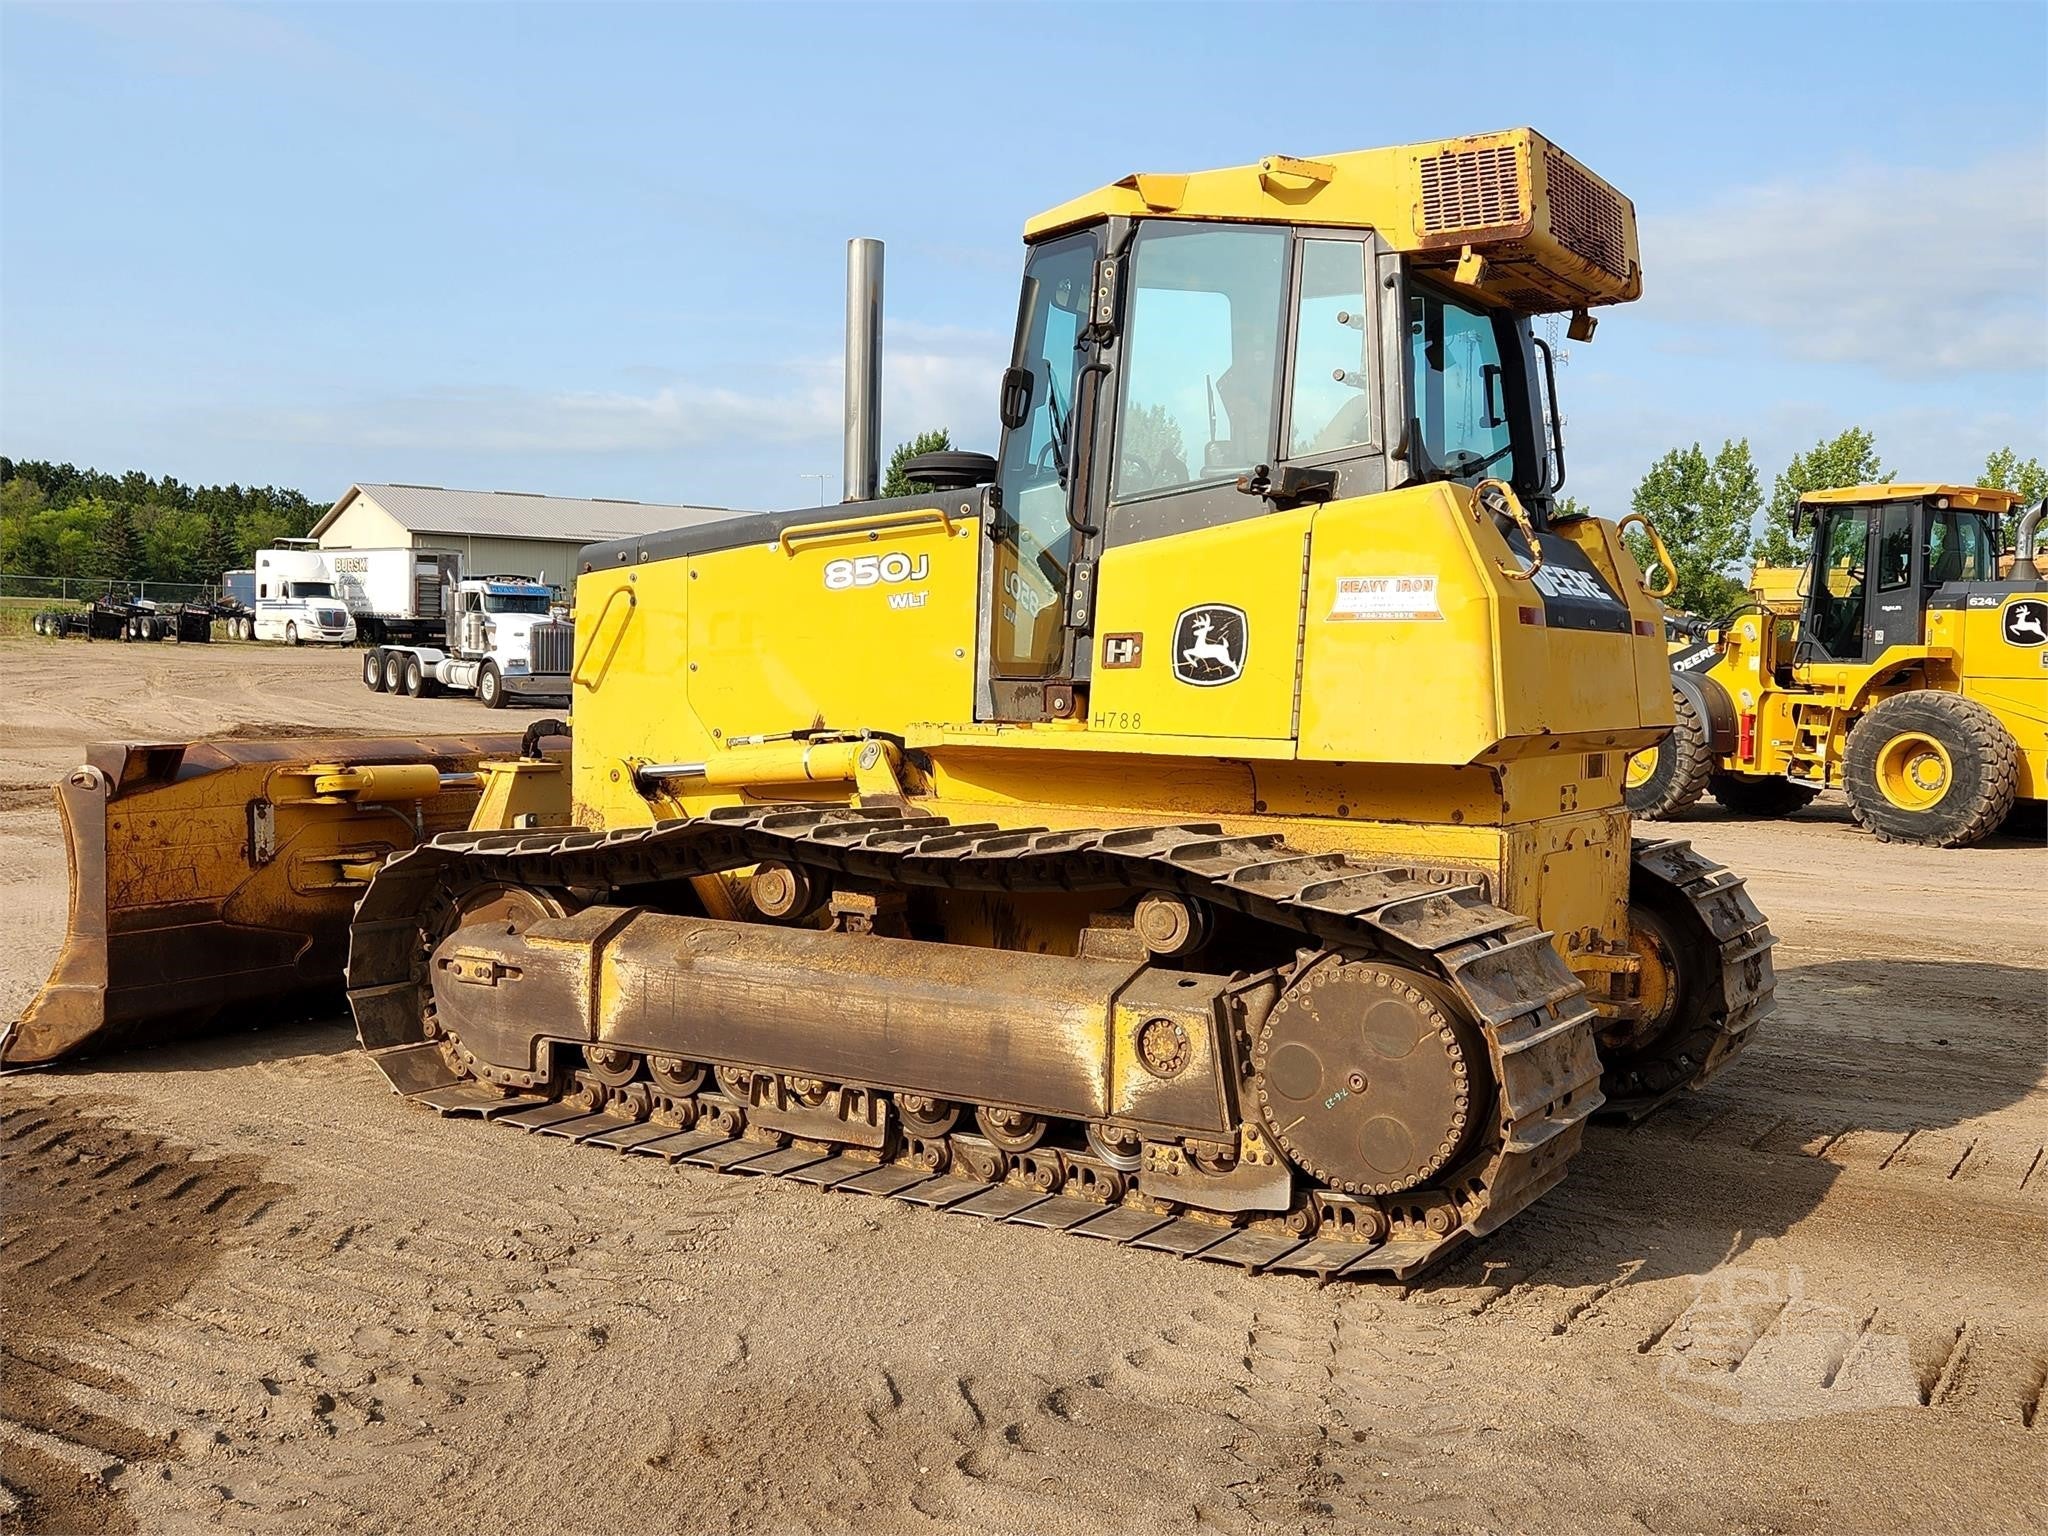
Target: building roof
x,y
520,514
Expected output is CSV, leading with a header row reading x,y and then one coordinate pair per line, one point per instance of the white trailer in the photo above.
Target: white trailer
x,y
395,594
503,641
295,596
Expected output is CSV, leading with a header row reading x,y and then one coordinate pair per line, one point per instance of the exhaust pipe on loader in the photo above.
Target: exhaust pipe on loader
x,y
220,876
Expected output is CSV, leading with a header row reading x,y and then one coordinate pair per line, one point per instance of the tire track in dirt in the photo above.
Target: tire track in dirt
x,y
105,1228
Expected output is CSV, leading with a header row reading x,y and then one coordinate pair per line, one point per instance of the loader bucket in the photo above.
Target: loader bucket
x,y
212,882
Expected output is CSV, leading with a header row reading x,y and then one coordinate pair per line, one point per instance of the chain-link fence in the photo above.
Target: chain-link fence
x,y
83,589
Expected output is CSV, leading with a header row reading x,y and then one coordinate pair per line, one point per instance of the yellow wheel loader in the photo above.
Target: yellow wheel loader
x,y
1902,666
1198,826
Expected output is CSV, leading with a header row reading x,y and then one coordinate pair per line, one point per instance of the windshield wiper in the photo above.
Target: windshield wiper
x,y
1059,423
1465,462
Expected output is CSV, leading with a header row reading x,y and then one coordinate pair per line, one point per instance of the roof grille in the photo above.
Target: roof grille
x,y
1586,217
1470,189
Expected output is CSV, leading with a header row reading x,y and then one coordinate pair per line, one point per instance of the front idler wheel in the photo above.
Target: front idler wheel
x,y
1370,1077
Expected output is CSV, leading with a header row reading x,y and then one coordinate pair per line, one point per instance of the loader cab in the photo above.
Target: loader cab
x,y
1881,553
1176,374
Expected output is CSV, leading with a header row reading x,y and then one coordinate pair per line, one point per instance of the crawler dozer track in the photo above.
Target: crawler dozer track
x,y
1720,947
549,982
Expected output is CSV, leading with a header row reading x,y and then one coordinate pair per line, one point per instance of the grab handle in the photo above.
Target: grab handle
x,y
1510,505
903,517
1663,555
632,602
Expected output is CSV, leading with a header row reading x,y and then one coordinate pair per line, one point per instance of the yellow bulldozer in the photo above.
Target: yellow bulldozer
x,y
1197,826
1906,665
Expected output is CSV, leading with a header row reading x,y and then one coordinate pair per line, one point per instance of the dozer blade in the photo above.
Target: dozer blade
x,y
213,881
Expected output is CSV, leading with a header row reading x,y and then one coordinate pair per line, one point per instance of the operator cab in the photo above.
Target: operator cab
x,y
1882,553
1230,369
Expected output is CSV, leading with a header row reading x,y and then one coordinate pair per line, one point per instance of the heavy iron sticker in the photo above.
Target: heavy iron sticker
x,y
1385,597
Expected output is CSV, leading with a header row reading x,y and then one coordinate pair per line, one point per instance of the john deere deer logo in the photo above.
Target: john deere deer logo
x,y
2026,622
1209,645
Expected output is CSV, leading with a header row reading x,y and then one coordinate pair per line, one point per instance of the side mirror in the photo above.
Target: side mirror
x,y
1798,519
1015,406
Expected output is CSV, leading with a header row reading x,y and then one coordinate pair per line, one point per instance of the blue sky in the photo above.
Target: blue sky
x,y
598,250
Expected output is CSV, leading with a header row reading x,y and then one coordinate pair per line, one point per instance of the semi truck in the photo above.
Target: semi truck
x,y
238,595
502,641
394,594
295,597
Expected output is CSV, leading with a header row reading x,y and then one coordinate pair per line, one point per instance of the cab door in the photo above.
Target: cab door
x,y
1838,625
1035,532
1897,602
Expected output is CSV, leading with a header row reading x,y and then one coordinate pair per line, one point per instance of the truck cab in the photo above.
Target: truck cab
x,y
296,601
505,640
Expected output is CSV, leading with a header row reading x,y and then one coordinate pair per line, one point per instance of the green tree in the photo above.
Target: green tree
x,y
2004,470
896,482
1702,508
118,556
174,547
54,519
1567,508
1848,458
1152,450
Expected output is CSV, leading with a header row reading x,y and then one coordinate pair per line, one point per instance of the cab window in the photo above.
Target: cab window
x,y
514,602
1838,595
1332,405
1201,356
1895,547
1959,548
1033,539
1460,395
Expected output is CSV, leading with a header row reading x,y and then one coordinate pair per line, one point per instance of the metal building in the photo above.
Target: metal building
x,y
495,531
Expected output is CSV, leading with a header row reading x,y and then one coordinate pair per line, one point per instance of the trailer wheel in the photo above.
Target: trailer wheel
x,y
373,671
490,687
415,678
1931,767
1665,779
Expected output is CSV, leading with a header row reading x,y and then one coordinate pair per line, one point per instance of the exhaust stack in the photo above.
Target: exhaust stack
x,y
862,478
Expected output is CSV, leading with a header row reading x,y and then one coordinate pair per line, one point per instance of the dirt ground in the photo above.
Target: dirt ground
x,y
246,1288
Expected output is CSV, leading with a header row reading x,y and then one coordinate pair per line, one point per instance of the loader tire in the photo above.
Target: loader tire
x,y
490,686
373,670
1669,777
1932,768
1765,799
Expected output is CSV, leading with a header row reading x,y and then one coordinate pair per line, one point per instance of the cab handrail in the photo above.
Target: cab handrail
x,y
901,517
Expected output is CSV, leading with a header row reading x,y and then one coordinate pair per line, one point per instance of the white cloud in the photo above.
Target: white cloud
x,y
1910,270
931,376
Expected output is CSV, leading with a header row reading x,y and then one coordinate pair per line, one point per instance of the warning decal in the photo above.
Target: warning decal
x,y
1385,597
